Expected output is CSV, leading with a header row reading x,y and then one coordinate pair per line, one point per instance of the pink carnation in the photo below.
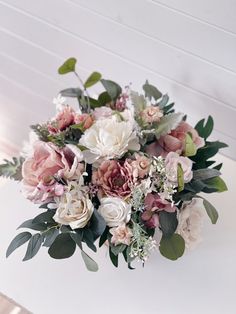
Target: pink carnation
x,y
141,165
114,178
63,120
84,119
39,171
151,114
153,205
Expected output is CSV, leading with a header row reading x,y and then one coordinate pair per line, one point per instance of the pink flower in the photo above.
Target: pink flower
x,y
141,165
39,171
102,112
85,120
63,120
153,205
121,235
151,114
114,178
120,104
175,141
172,160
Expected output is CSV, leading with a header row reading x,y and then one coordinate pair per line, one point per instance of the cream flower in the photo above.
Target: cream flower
x,y
74,207
115,211
121,235
171,163
190,222
108,139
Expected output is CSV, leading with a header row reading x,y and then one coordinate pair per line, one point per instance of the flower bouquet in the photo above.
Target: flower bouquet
x,y
119,168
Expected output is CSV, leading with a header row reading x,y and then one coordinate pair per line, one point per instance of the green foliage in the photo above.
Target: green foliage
x,y
113,258
89,262
168,123
67,66
113,89
62,247
104,98
50,236
12,169
117,249
104,237
19,240
33,225
88,238
168,223
172,247
180,178
217,184
92,79
164,101
204,174
97,225
33,246
151,91
211,211
190,148
71,92
205,130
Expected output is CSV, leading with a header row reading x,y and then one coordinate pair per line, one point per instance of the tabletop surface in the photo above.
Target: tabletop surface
x,y
203,281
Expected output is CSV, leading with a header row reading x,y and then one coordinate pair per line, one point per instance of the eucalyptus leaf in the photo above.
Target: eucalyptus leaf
x,y
77,237
34,226
97,224
71,92
104,98
89,262
44,217
117,249
50,236
151,91
173,247
113,257
112,88
33,246
163,102
92,79
62,247
168,223
67,66
211,211
19,240
168,123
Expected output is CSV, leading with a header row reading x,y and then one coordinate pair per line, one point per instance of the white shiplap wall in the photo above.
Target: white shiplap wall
x,y
185,47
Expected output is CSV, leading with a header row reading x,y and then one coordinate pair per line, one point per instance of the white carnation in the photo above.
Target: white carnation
x,y
115,211
108,139
190,222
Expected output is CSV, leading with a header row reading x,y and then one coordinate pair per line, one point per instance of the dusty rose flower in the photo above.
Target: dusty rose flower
x,y
175,141
63,120
153,205
120,104
151,114
102,112
40,169
141,165
114,178
172,160
121,235
84,119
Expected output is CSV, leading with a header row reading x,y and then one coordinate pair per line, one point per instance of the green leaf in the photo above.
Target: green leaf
x,y
103,237
180,178
92,79
104,98
138,101
12,169
67,66
33,246
219,166
97,224
163,102
71,92
216,183
173,247
34,226
168,223
211,211
151,91
168,123
113,257
204,174
44,217
89,262
88,238
62,247
205,131
77,237
19,240
112,88
190,148
50,236
117,249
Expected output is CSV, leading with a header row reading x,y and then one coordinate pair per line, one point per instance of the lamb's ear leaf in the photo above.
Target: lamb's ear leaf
x,y
19,240
67,66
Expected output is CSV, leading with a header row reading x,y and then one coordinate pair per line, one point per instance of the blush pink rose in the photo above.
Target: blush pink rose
x,y
153,204
175,141
63,120
39,171
171,164
114,178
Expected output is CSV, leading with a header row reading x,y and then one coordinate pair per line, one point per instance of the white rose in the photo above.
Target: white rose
x,y
108,139
171,164
74,208
190,222
115,211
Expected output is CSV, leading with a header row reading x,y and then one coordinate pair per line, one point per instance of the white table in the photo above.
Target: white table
x,y
203,281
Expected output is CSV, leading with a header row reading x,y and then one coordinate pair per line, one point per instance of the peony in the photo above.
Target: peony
x,y
63,120
74,207
175,141
108,139
190,222
114,178
151,114
115,211
153,204
171,163
121,235
46,163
